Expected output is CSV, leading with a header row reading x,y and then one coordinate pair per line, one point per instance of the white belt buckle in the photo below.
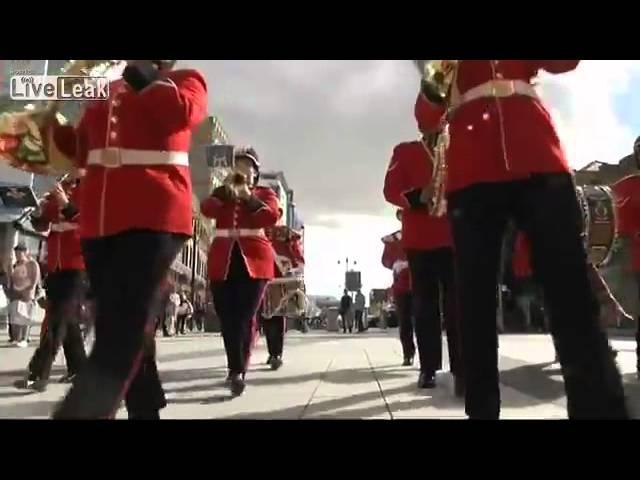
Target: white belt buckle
x,y
110,157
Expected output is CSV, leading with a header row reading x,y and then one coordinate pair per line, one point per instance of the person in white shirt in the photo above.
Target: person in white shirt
x,y
359,309
171,313
23,282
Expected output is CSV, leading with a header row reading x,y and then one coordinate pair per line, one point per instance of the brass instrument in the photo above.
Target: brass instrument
x,y
439,77
26,137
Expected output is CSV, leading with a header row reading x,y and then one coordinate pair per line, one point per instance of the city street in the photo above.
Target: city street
x,y
325,376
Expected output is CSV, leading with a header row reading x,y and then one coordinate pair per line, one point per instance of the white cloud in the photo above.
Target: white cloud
x,y
582,103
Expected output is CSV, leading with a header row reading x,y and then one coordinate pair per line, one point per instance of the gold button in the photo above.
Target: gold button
x,y
469,127
116,102
114,119
485,116
113,135
499,75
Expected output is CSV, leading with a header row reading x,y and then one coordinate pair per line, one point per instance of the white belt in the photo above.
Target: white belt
x,y
400,265
497,89
63,227
115,157
240,232
285,281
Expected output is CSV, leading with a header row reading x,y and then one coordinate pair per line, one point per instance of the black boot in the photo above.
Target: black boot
x,y
427,380
149,415
408,361
276,363
237,384
268,362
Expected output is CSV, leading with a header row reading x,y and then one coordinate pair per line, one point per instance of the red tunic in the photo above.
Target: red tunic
x,y
149,135
498,139
255,247
521,262
410,169
394,258
63,243
627,196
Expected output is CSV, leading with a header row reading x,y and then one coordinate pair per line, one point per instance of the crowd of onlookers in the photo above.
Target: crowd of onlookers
x,y
178,315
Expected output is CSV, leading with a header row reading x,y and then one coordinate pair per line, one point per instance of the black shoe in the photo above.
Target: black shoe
x,y
458,387
237,385
276,363
150,415
427,380
268,362
408,361
40,385
68,378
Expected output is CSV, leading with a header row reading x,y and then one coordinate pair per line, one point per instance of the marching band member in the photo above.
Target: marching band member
x,y
135,147
289,258
241,259
505,161
395,259
627,193
65,284
427,242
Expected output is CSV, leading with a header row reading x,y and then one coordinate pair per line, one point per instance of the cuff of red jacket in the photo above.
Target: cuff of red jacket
x,y
70,211
413,198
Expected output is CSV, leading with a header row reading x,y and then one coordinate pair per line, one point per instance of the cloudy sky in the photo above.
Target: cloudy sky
x,y
331,127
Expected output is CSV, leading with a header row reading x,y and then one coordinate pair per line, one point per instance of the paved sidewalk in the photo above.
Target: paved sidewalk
x,y
325,376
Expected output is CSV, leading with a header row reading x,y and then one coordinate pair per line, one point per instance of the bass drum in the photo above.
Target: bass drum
x,y
284,297
599,222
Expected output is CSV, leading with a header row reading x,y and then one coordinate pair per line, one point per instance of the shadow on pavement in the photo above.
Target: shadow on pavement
x,y
32,409
534,381
343,377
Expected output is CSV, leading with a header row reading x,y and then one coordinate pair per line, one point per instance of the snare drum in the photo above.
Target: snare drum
x,y
284,297
599,221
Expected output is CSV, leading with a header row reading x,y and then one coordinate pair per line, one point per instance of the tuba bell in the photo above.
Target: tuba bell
x,y
26,137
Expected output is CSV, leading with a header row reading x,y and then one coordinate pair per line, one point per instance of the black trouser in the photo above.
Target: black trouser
x,y
65,292
274,333
638,329
359,322
126,272
181,320
236,301
404,312
546,209
432,274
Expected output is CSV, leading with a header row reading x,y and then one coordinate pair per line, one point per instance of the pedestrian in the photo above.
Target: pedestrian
x,y
505,162
241,258
426,239
359,305
24,280
395,259
345,312
171,314
183,313
65,285
138,140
